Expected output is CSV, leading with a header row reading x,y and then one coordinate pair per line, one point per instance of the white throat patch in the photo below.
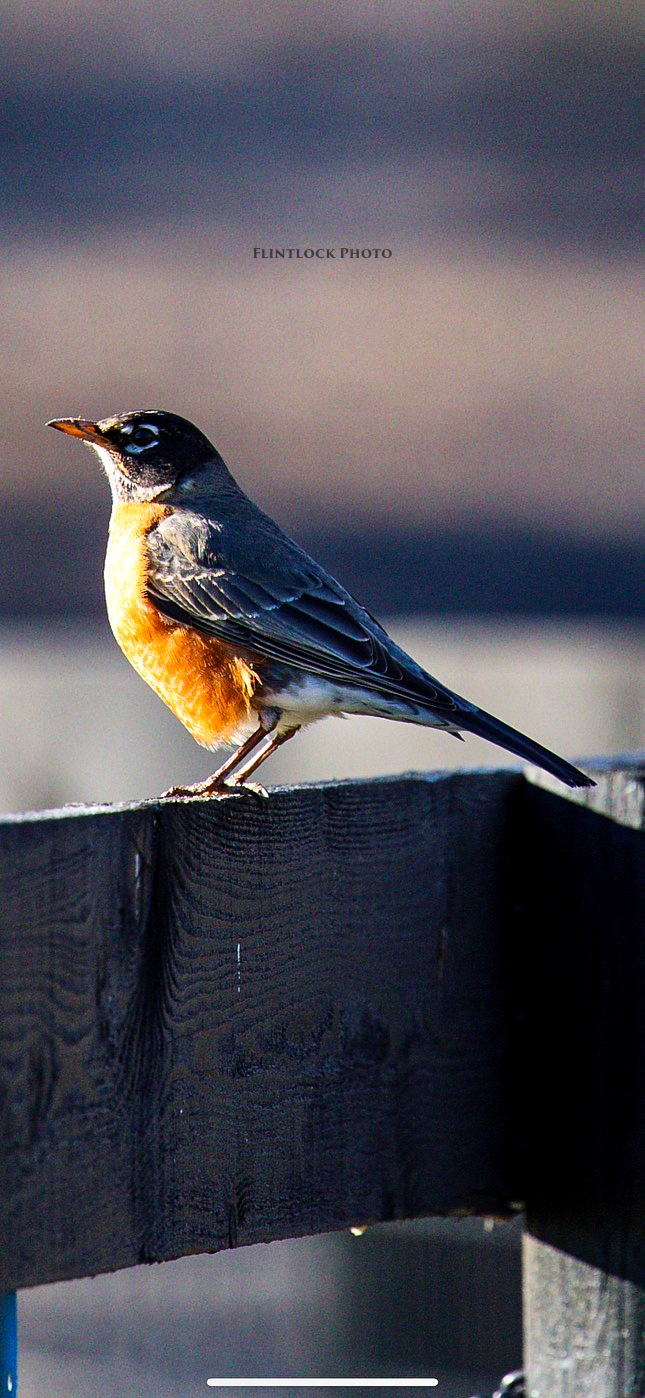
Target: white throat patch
x,y
106,459
113,474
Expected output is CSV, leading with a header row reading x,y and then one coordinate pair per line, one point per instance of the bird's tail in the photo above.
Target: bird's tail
x,y
485,726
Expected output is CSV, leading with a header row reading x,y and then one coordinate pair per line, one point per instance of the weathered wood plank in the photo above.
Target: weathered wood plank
x,y
584,1329
236,1021
584,1058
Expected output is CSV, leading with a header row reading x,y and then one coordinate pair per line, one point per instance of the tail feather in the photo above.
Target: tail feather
x,y
485,726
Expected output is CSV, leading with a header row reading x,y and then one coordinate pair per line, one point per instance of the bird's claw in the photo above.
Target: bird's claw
x,y
255,787
211,791
201,791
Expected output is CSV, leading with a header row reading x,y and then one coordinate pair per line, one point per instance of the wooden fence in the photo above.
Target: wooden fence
x,y
228,1022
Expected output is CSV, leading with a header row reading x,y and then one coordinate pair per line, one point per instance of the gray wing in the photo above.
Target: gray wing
x,y
258,592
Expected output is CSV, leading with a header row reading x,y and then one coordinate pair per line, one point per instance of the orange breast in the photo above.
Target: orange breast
x,y
209,689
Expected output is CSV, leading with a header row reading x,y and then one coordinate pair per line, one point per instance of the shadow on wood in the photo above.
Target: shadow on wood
x,y
583,948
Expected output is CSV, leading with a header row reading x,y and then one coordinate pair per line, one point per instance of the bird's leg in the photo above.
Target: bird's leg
x,y
217,783
275,740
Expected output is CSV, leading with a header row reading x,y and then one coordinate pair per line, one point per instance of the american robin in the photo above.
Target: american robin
x,y
238,630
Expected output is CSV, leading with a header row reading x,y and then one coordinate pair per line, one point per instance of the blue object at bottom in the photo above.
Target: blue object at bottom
x,y
8,1344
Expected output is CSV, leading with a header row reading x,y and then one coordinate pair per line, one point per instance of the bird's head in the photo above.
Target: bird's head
x,y
147,455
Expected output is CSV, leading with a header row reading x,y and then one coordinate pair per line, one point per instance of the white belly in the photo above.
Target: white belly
x,y
311,698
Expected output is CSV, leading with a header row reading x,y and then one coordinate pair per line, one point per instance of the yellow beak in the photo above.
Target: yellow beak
x,y
78,427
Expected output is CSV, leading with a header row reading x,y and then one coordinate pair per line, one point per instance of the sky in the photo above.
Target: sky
x,y
488,373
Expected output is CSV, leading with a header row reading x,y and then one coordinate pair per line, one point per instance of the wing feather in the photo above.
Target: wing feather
x,y
258,592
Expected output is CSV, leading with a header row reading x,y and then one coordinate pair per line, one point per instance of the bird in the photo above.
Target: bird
x,y
238,630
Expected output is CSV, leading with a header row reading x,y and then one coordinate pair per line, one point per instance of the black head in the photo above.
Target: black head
x,y
146,454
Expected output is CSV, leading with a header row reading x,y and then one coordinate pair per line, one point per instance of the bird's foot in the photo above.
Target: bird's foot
x,y
213,790
216,790
254,787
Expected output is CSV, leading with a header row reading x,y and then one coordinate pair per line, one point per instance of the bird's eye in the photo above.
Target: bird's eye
x,y
141,438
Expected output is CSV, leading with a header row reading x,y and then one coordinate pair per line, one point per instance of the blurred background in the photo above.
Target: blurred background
x,y
454,431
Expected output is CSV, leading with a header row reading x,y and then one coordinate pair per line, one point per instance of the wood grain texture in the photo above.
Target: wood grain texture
x,y
584,1330
232,1021
584,1058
